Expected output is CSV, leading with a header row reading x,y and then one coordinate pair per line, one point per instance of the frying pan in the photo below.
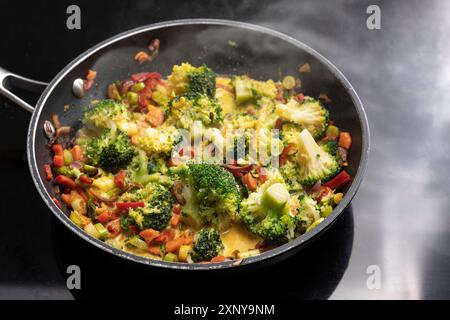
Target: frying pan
x,y
228,47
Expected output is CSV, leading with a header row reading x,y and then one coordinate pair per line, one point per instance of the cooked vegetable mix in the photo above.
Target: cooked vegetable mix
x,y
131,178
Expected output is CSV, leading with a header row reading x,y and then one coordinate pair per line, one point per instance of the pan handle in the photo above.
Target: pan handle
x,y
9,78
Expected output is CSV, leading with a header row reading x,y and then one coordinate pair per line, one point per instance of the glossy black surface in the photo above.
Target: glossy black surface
x,y
399,220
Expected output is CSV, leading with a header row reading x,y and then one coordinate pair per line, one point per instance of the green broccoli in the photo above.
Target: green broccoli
x,y
111,151
249,89
213,195
104,114
142,170
331,147
308,213
207,245
187,108
314,163
290,176
266,213
202,80
158,210
310,114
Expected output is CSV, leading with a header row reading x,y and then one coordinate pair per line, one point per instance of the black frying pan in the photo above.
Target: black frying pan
x,y
260,52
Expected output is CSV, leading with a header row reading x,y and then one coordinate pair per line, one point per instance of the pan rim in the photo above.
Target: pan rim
x,y
300,241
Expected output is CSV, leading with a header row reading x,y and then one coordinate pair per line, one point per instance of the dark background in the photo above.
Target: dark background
x,y
398,221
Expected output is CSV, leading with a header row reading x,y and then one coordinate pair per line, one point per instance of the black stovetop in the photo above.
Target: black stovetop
x,y
398,223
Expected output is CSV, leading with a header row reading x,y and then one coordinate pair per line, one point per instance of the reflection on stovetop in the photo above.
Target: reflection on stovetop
x,y
312,273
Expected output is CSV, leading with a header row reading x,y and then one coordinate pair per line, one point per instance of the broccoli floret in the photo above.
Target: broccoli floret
x,y
331,147
156,141
186,78
111,151
308,213
215,195
186,109
271,223
207,245
249,89
104,114
158,210
314,163
142,171
202,80
310,114
290,175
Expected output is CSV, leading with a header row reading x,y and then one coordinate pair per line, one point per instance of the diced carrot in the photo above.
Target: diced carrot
x,y
345,140
48,172
188,239
165,236
91,75
141,57
106,216
66,198
149,235
77,153
218,259
58,161
250,181
58,149
175,220
174,245
155,116
156,250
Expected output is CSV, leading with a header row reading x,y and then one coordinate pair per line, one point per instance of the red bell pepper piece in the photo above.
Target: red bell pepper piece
x,y
114,227
119,179
48,172
124,206
284,154
65,182
278,124
133,229
339,181
142,76
85,179
56,201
